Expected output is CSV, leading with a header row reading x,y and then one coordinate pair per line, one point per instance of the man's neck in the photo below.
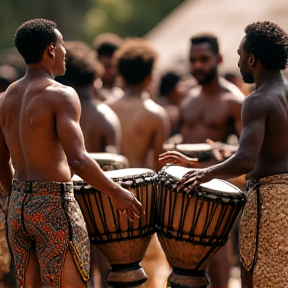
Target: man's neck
x,y
84,92
38,71
133,91
212,87
267,75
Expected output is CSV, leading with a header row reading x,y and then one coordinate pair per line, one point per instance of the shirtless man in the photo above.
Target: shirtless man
x,y
40,131
212,110
106,44
262,156
100,125
145,124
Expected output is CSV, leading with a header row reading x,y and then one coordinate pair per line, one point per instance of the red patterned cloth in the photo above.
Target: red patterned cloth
x,y
44,216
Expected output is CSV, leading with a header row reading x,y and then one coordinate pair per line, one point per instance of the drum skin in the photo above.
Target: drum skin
x,y
122,242
201,151
110,161
192,228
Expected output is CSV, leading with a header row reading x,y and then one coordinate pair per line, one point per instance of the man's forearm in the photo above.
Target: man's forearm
x,y
231,168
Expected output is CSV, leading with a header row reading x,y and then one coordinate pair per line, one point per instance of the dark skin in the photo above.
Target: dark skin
x,y
201,120
40,131
264,139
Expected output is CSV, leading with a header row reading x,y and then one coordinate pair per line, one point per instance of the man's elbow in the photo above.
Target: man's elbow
x,y
246,165
77,162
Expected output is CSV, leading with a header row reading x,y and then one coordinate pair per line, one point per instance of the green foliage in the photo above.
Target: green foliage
x,y
84,19
126,17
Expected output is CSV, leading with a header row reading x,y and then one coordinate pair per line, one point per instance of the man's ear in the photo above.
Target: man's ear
x,y
51,50
252,59
220,59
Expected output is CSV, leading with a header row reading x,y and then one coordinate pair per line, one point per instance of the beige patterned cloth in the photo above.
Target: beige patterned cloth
x,y
264,231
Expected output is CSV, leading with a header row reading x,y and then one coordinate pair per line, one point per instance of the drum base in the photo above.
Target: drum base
x,y
127,279
185,281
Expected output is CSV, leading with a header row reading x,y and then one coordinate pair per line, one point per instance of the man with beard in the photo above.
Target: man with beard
x,y
262,155
212,110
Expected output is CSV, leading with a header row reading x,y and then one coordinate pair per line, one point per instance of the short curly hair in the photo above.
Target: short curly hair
x,y
135,60
269,43
82,66
33,36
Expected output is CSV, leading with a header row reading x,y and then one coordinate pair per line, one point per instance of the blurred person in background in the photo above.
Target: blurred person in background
x,y
106,45
145,126
8,75
172,90
211,110
100,125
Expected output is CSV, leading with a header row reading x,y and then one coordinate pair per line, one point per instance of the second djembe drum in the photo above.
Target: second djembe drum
x,y
192,228
122,242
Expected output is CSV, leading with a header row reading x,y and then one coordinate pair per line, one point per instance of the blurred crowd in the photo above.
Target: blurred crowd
x,y
130,107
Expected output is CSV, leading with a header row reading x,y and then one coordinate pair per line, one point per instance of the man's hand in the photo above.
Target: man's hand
x,y
177,158
192,180
126,202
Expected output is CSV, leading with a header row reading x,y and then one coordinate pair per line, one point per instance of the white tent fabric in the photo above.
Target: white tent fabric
x,y
226,19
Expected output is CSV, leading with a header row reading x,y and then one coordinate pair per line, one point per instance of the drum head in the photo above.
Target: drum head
x,y
121,173
191,148
177,172
129,172
108,158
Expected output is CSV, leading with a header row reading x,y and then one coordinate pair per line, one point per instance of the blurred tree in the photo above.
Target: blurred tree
x,y
84,19
125,17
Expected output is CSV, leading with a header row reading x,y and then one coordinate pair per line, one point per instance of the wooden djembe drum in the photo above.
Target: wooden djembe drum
x,y
122,242
192,228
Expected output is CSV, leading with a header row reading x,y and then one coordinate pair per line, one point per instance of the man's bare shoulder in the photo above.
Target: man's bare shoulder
x,y
154,108
231,91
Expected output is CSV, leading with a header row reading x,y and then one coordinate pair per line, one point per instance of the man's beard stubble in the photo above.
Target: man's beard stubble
x,y
208,77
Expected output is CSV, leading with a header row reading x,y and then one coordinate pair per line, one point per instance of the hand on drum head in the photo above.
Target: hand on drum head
x,y
177,158
193,179
127,203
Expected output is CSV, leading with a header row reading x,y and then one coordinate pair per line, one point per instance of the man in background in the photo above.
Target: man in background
x,y
106,45
212,110
100,125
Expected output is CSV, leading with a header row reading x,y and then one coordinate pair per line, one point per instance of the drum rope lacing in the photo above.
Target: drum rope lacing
x,y
92,197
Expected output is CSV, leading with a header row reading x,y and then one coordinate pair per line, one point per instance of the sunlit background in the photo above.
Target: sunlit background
x,y
168,24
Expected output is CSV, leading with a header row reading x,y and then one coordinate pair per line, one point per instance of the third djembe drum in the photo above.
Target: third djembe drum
x,y
192,228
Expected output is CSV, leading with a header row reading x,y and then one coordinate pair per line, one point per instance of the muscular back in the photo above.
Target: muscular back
x,y
145,126
211,116
29,125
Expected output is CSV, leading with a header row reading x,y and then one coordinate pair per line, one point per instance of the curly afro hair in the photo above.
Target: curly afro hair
x,y
32,37
82,66
135,60
269,43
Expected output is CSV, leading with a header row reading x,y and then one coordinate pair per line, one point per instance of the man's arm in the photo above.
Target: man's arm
x,y
67,115
161,134
6,170
254,117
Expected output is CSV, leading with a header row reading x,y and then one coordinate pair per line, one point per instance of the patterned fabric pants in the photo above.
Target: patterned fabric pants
x,y
264,231
44,216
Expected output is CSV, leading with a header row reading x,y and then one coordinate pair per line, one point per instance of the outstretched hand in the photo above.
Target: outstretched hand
x,y
192,180
127,203
177,158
